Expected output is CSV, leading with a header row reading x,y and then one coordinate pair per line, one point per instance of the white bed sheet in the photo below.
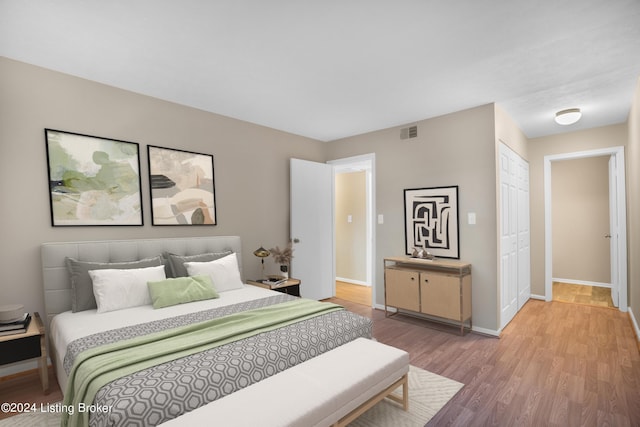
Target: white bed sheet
x,y
67,327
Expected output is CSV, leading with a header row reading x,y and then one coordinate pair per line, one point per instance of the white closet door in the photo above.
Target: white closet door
x,y
515,234
508,236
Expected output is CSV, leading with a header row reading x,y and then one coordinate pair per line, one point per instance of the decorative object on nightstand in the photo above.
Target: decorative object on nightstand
x,y
18,326
30,344
13,319
261,253
283,257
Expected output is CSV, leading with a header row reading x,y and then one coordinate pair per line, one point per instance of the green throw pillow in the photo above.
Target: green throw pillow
x,y
180,290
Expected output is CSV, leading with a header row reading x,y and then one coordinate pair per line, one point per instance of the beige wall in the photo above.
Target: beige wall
x,y
580,218
251,168
455,149
591,139
252,176
351,237
510,134
633,204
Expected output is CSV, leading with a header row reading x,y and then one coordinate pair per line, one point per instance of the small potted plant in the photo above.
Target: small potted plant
x,y
283,257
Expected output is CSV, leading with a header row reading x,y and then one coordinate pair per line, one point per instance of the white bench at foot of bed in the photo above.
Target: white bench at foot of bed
x,y
331,389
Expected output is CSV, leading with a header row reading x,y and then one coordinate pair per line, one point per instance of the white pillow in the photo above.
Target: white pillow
x,y
224,272
117,289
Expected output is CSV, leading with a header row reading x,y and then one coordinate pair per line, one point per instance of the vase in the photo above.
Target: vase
x,y
284,269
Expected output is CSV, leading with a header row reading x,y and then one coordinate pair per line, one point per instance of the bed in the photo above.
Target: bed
x,y
242,336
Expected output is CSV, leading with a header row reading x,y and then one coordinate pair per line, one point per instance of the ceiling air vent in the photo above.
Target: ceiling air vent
x,y
410,132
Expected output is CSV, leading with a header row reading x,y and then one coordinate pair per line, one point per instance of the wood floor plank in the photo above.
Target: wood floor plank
x,y
556,364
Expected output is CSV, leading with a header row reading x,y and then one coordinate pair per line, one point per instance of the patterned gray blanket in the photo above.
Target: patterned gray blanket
x,y
163,392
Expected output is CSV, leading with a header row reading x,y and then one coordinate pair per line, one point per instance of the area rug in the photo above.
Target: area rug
x,y
428,393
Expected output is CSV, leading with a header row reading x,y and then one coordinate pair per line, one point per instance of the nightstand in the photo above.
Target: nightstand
x,y
291,286
27,345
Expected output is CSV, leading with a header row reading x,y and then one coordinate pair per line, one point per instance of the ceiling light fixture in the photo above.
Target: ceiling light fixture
x,y
568,117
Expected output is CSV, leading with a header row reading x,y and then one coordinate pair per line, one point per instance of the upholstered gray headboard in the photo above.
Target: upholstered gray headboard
x,y
57,287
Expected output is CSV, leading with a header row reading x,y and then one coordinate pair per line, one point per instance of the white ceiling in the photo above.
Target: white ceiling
x,y
329,69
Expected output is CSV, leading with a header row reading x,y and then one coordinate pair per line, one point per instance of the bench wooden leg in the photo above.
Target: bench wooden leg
x,y
404,400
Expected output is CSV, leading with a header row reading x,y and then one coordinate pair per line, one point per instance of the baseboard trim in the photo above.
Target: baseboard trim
x,y
539,297
353,281
21,374
634,324
474,328
16,368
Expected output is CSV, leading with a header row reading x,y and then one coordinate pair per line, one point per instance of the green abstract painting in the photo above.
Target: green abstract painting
x,y
93,180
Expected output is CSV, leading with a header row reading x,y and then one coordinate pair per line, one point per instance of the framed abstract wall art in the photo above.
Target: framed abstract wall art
x,y
431,221
93,180
182,187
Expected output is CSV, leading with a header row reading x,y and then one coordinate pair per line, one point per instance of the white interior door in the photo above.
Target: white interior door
x,y
508,236
312,228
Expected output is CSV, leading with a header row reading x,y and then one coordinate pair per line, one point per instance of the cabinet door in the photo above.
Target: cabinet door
x,y
440,295
402,289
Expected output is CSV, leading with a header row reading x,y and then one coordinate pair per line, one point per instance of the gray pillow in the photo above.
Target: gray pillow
x,y
82,297
176,262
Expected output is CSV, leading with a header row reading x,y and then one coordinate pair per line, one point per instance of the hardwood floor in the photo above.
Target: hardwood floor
x,y
354,293
556,364
26,388
582,294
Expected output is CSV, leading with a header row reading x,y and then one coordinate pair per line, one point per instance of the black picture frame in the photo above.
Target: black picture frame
x,y
182,187
93,181
432,221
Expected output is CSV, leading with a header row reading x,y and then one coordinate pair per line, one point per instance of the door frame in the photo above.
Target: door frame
x,y
366,162
617,153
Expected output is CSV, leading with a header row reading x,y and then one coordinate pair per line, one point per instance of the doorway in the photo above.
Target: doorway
x,y
354,228
580,226
616,227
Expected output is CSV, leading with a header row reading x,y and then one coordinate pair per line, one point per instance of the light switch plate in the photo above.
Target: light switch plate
x,y
471,218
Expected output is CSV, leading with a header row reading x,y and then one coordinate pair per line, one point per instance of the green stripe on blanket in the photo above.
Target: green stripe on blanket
x,y
98,366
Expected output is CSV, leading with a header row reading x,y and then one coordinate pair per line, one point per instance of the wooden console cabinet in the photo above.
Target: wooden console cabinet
x,y
440,288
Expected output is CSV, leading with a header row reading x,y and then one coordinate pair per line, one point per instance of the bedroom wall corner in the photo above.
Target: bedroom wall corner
x,y
251,165
454,149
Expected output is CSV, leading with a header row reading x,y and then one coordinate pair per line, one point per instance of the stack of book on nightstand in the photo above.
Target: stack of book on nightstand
x,y
15,326
274,280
